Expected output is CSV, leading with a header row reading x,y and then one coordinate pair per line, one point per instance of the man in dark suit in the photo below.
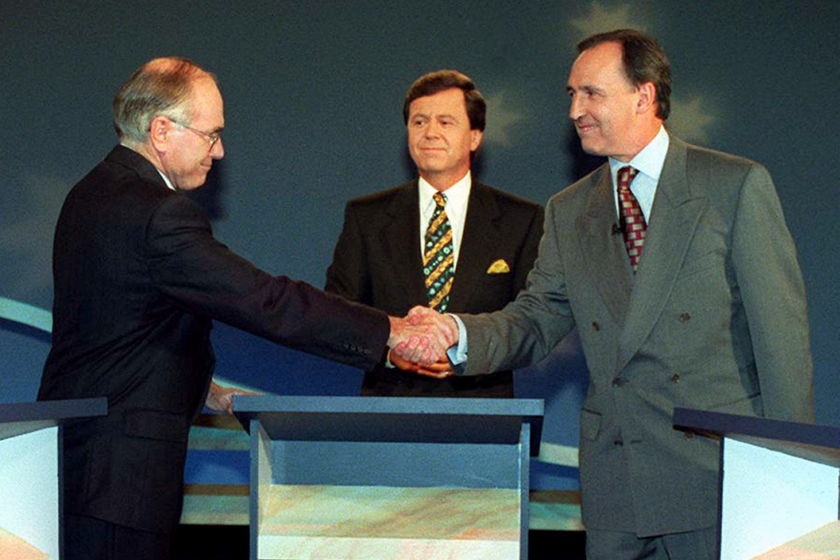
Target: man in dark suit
x,y
705,309
138,278
378,258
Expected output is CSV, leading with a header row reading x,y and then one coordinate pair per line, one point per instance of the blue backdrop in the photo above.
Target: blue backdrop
x,y
313,94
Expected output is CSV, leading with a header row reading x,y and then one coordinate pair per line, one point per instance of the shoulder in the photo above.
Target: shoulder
x,y
122,183
708,164
507,201
385,197
724,177
584,187
700,157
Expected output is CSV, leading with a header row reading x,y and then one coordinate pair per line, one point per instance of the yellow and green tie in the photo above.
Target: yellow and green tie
x,y
439,256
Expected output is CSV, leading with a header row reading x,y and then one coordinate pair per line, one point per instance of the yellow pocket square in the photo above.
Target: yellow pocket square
x,y
499,267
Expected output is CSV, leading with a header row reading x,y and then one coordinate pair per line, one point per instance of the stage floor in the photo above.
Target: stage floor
x,y
230,542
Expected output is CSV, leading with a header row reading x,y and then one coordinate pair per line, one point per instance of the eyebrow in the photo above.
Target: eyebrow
x,y
585,88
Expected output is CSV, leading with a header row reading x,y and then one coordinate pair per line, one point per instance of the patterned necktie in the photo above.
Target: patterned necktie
x,y
632,220
439,256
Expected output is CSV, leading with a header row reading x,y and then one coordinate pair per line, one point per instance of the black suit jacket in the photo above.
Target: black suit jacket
x,y
138,278
377,261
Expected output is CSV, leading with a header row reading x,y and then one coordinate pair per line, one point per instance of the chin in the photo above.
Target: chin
x,y
592,150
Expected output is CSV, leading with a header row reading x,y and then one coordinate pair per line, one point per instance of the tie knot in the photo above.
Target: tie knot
x,y
440,199
625,176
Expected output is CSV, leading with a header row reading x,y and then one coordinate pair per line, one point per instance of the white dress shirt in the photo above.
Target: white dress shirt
x,y
649,164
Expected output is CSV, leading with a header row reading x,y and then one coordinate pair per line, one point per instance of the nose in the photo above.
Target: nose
x,y
575,107
431,129
217,151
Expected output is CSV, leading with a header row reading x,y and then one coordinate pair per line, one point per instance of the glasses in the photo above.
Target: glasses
x,y
211,137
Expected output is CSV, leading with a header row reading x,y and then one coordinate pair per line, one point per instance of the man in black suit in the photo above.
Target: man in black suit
x,y
494,235
138,279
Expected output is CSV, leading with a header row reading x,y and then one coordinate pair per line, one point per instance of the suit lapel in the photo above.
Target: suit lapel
x,y
401,237
479,241
673,223
606,260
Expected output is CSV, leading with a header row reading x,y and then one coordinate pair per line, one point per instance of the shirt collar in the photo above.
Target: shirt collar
x,y
650,160
166,180
456,195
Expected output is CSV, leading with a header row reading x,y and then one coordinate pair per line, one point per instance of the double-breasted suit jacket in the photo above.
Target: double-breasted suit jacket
x,y
138,279
715,319
378,261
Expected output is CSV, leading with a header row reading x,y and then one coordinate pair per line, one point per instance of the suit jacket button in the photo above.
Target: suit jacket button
x,y
618,382
596,326
685,317
675,378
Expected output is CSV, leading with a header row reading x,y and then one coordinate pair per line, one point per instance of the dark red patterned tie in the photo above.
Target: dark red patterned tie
x,y
632,220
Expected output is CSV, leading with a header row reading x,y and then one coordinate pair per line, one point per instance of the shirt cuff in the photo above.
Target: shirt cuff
x,y
457,353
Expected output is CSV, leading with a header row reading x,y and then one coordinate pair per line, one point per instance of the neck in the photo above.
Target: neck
x,y
443,181
644,137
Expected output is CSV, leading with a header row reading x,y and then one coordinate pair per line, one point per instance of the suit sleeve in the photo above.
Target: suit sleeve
x,y
528,328
189,265
773,294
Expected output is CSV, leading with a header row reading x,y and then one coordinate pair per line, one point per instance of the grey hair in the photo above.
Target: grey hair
x,y
160,87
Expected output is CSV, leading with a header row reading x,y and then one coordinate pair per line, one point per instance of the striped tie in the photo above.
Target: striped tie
x,y
632,220
439,256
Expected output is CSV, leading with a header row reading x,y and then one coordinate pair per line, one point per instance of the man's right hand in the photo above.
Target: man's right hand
x,y
420,338
431,334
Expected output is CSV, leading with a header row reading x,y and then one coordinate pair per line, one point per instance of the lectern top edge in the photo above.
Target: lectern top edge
x,y
57,410
20,418
752,426
389,405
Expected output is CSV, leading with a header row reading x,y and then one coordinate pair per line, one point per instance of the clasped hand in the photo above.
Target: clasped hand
x,y
419,342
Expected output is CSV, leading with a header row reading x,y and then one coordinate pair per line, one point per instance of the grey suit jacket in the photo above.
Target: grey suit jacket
x,y
377,262
714,319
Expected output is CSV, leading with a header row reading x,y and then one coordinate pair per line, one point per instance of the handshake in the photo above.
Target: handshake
x,y
419,342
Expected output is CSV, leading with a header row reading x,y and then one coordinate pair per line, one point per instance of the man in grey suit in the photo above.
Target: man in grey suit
x,y
377,259
711,315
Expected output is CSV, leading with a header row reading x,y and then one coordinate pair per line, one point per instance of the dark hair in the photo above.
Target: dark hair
x,y
435,82
644,61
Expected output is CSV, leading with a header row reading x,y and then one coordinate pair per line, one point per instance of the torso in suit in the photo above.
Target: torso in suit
x,y
377,261
138,278
714,319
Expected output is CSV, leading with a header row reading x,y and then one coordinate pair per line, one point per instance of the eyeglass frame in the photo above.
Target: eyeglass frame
x,y
211,137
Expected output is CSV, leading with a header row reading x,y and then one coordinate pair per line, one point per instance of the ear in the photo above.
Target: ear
x,y
159,130
647,97
475,139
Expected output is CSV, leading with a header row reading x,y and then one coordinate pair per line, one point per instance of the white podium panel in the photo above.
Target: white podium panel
x,y
30,481
780,486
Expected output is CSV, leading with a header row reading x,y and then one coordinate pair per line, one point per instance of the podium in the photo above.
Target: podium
x,y
780,486
351,478
30,484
